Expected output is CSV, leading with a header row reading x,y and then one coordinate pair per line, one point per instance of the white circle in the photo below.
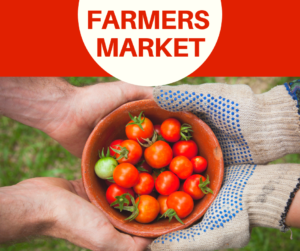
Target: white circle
x,y
146,70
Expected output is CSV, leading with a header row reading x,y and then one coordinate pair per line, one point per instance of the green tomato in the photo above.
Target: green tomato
x,y
105,167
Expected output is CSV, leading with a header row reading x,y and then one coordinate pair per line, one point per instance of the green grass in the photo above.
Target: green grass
x,y
27,152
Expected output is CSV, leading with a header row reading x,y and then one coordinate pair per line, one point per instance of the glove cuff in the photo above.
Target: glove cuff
x,y
269,194
293,89
275,125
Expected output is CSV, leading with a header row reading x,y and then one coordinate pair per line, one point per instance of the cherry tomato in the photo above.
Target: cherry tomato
x,y
144,165
145,184
148,209
159,154
170,130
191,186
115,190
157,129
181,202
105,167
181,166
188,149
162,200
132,150
199,164
113,145
134,129
167,183
126,175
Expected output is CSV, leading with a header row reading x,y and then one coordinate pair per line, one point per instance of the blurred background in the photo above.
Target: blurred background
x,y
26,152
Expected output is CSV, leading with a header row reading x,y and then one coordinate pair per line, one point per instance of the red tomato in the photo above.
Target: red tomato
x,y
167,183
170,130
126,175
145,166
159,154
115,190
134,131
113,145
132,149
157,129
145,184
188,149
148,209
199,164
181,166
191,186
162,200
181,202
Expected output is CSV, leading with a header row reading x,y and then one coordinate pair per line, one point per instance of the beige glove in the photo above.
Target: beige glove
x,y
251,128
251,196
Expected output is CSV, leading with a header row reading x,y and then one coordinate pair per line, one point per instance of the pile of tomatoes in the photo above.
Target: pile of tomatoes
x,y
155,171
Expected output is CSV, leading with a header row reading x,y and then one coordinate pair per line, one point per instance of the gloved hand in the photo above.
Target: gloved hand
x,y
251,128
251,196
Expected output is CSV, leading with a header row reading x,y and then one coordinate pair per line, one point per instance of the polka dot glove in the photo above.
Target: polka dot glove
x,y
251,196
251,128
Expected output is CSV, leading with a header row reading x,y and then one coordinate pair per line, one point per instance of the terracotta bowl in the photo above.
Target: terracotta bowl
x,y
111,128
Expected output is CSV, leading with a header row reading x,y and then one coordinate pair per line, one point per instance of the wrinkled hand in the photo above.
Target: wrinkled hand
x,y
87,106
72,217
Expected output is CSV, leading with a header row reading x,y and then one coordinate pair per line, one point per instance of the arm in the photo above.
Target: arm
x,y
46,206
251,129
251,196
18,219
66,113
56,207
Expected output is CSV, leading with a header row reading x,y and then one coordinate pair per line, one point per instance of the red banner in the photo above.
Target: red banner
x,y
42,38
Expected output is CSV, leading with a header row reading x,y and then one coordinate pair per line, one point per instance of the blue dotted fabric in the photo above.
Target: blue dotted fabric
x,y
221,114
227,205
293,89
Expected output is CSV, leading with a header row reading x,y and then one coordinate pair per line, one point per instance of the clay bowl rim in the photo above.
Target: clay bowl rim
x,y
115,222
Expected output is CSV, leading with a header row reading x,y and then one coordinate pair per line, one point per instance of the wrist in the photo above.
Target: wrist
x,y
23,212
38,102
275,129
269,193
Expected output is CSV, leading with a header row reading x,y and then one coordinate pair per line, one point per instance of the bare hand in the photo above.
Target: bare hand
x,y
87,107
72,217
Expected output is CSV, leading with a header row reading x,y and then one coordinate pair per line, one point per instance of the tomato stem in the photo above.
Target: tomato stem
x,y
185,131
137,120
102,155
139,166
203,186
171,213
121,200
110,179
134,208
159,171
123,152
149,142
